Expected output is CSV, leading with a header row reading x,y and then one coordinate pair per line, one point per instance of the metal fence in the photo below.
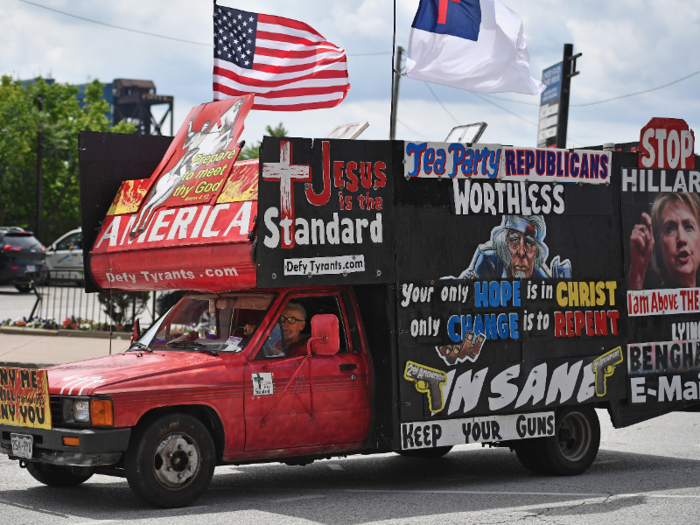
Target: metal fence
x,y
62,296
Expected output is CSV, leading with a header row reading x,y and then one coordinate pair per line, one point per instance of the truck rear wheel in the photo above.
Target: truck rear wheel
x,y
54,476
170,462
572,449
425,453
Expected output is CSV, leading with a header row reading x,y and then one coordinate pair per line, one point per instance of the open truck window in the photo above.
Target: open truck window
x,y
213,322
292,329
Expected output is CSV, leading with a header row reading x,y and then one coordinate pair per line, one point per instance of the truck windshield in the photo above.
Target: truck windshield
x,y
209,322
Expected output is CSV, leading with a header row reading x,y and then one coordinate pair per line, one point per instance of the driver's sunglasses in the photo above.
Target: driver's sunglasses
x,y
290,320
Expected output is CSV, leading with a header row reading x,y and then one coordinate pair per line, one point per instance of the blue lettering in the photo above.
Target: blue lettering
x,y
514,326
478,325
457,151
503,326
574,168
429,159
484,157
521,162
494,294
494,161
491,326
551,163
541,161
481,297
506,292
584,166
516,293
477,157
529,161
452,323
604,167
510,162
559,172
594,166
417,150
439,166
468,163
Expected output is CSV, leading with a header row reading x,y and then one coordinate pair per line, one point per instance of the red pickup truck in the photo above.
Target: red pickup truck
x,y
360,297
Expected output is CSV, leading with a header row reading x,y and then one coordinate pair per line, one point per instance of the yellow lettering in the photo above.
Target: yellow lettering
x,y
611,286
561,290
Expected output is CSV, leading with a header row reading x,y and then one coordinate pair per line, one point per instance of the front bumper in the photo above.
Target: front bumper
x,y
98,447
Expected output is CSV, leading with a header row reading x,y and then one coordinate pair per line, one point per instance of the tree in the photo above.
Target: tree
x,y
252,151
122,307
60,120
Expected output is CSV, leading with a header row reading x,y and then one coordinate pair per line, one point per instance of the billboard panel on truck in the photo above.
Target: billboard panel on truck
x,y
510,282
326,213
661,239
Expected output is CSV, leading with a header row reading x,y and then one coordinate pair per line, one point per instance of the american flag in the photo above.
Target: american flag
x,y
286,64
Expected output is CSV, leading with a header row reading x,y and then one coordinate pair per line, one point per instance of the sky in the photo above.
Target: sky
x,y
628,46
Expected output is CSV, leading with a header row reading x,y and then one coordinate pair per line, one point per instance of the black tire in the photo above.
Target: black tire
x,y
529,452
23,288
572,449
54,476
170,461
425,453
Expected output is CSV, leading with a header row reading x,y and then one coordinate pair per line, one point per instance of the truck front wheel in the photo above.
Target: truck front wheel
x,y
55,476
170,462
571,450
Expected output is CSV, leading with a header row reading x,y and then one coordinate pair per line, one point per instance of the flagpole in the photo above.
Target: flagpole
x,y
393,77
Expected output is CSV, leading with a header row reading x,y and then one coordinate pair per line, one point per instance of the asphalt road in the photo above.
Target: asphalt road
x,y
648,473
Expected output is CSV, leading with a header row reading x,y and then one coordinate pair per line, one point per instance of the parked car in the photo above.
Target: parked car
x,y
22,257
64,257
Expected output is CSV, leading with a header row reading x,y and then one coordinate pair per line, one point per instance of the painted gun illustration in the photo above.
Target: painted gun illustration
x,y
604,367
427,381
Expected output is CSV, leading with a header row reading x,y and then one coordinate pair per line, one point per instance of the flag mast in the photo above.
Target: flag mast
x,y
392,118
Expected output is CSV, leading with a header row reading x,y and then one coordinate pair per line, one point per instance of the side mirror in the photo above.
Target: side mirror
x,y
325,334
137,331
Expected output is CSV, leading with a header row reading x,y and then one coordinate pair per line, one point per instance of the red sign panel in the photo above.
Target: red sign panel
x,y
667,143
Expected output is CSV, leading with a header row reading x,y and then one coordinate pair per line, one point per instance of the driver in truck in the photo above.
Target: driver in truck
x,y
292,321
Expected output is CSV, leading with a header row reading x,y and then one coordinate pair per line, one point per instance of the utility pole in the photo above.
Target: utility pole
x,y
39,168
395,94
568,72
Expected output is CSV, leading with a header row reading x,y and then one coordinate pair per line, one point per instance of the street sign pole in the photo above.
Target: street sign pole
x,y
569,71
554,101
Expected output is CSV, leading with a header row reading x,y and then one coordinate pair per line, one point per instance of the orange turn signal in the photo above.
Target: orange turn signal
x,y
101,413
71,442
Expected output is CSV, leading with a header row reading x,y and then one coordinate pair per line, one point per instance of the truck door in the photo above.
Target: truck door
x,y
293,400
339,382
277,400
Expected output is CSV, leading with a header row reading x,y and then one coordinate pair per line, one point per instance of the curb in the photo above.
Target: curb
x,y
18,330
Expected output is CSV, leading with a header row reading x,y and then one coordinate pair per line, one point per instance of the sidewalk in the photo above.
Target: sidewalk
x,y
39,351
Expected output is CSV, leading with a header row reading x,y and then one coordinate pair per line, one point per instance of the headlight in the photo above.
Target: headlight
x,y
81,411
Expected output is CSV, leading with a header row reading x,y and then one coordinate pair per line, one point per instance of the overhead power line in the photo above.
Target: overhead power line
x,y
607,99
441,104
504,109
114,26
410,129
637,93
154,34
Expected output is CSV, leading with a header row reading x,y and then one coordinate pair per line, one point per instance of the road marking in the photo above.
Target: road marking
x,y
29,507
298,498
483,492
335,467
94,522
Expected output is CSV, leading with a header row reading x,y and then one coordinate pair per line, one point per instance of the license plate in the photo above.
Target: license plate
x,y
22,446
31,268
